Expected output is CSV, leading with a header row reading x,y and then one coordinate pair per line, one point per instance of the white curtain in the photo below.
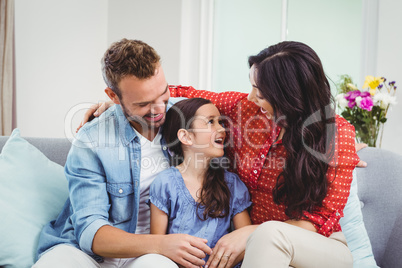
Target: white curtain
x,y
7,85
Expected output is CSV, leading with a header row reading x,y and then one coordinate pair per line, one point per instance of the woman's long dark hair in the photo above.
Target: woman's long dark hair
x,y
215,194
291,78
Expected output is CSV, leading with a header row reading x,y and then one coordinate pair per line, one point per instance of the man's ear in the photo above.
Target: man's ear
x,y
184,137
113,96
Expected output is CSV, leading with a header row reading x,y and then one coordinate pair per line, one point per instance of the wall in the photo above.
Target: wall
x,y
157,22
59,45
337,30
389,59
242,28
332,29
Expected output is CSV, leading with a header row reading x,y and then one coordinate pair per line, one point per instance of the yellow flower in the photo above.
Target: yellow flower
x,y
372,83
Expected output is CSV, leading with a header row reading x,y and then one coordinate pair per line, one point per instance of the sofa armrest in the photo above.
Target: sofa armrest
x,y
379,188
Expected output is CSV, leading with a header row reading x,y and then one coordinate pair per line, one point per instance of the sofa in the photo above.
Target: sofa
x,y
379,195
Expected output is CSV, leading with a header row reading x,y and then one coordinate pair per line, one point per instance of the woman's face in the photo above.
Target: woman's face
x,y
256,96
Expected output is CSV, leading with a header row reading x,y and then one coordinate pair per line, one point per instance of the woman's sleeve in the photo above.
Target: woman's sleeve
x,y
226,102
326,218
240,196
159,193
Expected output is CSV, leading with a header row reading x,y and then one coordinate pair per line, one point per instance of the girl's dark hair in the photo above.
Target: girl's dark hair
x,y
291,78
215,194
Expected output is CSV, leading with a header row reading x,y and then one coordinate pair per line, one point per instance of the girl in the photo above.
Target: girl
x,y
196,196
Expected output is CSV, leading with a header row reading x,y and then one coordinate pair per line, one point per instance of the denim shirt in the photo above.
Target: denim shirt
x,y
103,173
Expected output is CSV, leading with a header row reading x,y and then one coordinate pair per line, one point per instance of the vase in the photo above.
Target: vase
x,y
369,134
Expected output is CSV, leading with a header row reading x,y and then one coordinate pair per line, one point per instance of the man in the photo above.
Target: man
x,y
113,160
133,108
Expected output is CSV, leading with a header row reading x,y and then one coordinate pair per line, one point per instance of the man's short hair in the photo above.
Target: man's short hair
x,y
128,57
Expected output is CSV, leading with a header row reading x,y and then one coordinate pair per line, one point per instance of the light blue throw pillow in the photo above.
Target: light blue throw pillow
x,y
33,190
355,232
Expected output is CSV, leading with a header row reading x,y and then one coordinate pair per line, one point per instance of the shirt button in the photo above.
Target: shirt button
x,y
262,156
164,148
120,190
255,171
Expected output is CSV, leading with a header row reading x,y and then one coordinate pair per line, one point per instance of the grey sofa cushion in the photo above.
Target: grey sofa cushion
x,y
380,186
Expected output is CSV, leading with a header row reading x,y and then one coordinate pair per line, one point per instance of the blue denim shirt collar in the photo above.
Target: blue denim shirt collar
x,y
126,131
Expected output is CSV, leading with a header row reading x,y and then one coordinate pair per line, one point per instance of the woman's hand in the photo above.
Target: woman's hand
x,y
230,248
360,146
94,111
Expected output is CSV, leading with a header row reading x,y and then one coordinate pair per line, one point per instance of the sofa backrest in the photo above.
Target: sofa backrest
x,y
56,149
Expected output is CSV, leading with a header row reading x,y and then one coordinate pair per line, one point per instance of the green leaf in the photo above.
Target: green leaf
x,y
341,85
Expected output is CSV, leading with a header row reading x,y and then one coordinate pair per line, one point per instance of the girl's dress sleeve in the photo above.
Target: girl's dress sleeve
x,y
159,193
240,199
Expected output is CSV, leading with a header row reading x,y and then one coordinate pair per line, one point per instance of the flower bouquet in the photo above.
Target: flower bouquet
x,y
366,109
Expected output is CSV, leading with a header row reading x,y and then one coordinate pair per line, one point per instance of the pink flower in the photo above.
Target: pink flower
x,y
366,104
351,95
359,98
351,104
364,94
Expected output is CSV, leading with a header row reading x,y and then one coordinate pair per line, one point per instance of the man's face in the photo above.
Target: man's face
x,y
144,101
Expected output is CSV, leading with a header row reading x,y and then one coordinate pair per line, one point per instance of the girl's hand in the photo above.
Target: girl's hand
x,y
94,111
230,248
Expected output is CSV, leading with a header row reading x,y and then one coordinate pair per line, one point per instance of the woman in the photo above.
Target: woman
x,y
301,164
296,158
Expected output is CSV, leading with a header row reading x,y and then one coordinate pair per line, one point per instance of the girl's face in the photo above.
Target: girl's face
x,y
207,132
256,96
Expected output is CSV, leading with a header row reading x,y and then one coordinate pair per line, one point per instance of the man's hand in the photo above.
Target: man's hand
x,y
94,111
186,250
360,146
